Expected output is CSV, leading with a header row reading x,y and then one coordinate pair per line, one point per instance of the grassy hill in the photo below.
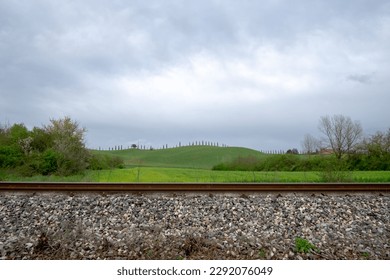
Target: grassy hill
x,y
201,157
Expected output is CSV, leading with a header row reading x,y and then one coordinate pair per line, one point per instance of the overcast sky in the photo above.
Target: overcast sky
x,y
257,74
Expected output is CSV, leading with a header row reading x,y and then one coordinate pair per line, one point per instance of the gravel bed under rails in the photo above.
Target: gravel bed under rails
x,y
194,226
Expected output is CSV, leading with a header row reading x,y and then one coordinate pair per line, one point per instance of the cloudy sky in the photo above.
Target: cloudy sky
x,y
257,74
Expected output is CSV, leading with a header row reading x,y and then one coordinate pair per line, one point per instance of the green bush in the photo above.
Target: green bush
x,y
41,140
313,163
333,169
10,156
239,164
55,149
49,161
221,167
101,162
3,175
371,162
287,162
279,163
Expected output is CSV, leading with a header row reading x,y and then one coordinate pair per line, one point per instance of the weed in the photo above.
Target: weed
x,y
42,244
262,254
138,174
191,245
304,246
149,253
365,255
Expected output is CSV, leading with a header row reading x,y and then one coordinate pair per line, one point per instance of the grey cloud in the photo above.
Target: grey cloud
x,y
137,63
361,78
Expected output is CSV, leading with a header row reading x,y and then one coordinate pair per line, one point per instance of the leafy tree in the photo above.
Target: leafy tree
x,y
11,148
41,140
10,156
57,148
48,162
377,151
100,162
378,144
18,132
68,146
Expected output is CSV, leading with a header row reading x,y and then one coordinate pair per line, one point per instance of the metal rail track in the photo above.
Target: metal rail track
x,y
192,187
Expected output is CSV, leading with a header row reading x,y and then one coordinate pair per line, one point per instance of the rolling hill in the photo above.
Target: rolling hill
x,y
200,157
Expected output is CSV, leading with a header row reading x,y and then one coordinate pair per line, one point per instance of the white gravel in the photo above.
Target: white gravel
x,y
194,226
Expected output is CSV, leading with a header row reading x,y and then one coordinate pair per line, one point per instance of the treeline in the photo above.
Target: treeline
x,y
373,153
57,148
290,162
165,146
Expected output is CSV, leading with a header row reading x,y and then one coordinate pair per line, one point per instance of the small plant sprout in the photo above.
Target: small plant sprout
x,y
304,246
262,254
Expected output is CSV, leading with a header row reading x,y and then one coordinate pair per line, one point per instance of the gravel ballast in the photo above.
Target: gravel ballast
x,y
194,226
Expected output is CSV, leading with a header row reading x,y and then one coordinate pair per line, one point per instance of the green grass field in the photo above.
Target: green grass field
x,y
199,157
164,174
158,174
193,164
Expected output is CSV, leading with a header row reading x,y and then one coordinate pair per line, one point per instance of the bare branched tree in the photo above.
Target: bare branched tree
x,y
341,133
310,144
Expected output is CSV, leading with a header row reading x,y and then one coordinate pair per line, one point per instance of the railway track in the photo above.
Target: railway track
x,y
192,187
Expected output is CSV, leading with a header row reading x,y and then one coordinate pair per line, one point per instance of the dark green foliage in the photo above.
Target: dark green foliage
x,y
331,168
101,162
3,175
11,153
335,170
376,152
48,162
373,154
279,163
240,164
313,163
10,156
42,140
39,163
287,162
55,149
369,162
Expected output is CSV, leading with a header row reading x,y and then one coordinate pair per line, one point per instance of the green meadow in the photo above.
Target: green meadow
x,y
161,174
194,164
190,175
198,157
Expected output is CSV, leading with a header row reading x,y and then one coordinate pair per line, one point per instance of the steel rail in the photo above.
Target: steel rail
x,y
191,187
